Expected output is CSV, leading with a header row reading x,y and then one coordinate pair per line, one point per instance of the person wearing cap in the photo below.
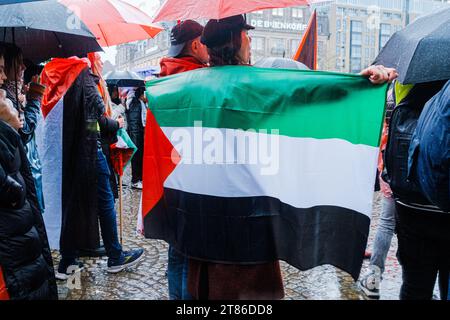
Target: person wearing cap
x,y
228,43
186,53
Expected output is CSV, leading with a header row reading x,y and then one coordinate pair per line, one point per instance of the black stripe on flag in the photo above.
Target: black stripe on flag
x,y
251,230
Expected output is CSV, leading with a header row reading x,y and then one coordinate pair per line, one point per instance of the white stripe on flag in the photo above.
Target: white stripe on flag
x,y
50,151
312,172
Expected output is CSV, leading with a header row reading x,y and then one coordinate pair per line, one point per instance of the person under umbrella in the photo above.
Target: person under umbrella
x,y
77,172
186,53
228,43
26,267
29,109
136,117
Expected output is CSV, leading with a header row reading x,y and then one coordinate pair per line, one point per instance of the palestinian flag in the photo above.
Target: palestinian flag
x,y
68,167
245,165
122,152
3,290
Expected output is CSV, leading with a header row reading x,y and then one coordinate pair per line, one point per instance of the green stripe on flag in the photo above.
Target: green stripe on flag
x,y
307,104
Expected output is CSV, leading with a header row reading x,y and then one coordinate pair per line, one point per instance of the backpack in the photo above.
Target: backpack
x,y
429,153
401,129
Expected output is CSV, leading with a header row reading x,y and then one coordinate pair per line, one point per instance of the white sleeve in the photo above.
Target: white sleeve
x,y
143,113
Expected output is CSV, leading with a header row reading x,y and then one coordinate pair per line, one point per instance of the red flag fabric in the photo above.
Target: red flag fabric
x,y
121,152
3,291
160,158
58,76
307,50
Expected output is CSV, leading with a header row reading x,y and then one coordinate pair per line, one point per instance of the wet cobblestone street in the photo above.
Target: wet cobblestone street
x,y
148,281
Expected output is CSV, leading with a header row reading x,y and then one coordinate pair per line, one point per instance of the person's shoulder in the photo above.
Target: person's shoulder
x,y
9,135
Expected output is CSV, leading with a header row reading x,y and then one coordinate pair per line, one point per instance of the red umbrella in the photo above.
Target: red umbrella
x,y
113,21
218,9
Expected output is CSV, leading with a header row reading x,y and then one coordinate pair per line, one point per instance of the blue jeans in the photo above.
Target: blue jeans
x,y
384,234
106,214
177,273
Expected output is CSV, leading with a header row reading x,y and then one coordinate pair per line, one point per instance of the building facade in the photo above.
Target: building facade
x,y
350,33
360,28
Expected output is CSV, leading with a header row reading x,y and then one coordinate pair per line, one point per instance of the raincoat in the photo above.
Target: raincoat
x,y
429,152
26,267
32,118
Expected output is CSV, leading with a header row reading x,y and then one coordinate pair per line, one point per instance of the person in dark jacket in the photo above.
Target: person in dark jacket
x,y
86,192
136,111
26,99
26,264
422,227
228,43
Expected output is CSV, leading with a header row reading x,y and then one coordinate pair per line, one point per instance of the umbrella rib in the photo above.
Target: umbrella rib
x,y
59,42
103,34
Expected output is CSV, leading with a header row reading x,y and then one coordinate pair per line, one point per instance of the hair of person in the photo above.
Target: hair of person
x,y
11,54
111,89
139,92
226,54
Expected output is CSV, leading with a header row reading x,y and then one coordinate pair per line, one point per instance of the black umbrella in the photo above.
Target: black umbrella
x,y
124,79
421,51
45,29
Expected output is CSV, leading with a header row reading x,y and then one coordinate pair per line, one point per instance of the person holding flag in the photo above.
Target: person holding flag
x,y
75,169
185,53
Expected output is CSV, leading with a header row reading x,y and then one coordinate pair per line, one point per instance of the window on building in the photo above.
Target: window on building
x,y
355,65
297,13
372,41
294,46
338,24
338,38
366,40
356,38
385,34
320,49
258,43
355,46
366,53
278,12
387,16
356,26
277,47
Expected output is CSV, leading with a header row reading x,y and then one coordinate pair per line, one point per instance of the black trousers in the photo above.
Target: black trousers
x,y
137,161
423,252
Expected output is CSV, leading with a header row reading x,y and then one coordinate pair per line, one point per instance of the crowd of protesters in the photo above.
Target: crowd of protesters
x,y
99,111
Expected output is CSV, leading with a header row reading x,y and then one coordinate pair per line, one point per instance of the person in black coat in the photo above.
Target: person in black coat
x,y
136,123
86,195
25,258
